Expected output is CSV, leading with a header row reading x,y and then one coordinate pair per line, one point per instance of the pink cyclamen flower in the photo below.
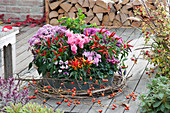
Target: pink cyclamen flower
x,y
74,48
69,33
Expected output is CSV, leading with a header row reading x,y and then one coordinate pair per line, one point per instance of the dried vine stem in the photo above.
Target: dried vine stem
x,y
118,82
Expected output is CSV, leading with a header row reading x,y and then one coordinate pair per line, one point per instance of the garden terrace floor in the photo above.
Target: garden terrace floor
x,y
136,83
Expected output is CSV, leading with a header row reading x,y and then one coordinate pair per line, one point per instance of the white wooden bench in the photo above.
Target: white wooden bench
x,y
8,52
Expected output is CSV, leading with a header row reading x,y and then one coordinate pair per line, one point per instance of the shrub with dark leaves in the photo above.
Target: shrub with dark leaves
x,y
10,92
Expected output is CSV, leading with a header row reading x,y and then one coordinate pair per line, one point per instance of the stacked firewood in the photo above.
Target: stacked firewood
x,y
101,12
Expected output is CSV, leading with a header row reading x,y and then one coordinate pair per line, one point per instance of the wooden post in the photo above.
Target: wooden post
x,y
47,11
8,71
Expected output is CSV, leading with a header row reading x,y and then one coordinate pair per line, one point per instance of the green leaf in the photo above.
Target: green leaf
x,y
156,104
63,24
161,95
162,107
167,105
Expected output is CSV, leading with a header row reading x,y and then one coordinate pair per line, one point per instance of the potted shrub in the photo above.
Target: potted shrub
x,y
76,51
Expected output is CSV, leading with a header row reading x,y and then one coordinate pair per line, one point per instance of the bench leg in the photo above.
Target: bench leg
x,y
8,71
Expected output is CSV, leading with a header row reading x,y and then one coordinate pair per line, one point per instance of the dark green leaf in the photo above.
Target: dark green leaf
x,y
167,105
161,95
30,65
156,104
162,107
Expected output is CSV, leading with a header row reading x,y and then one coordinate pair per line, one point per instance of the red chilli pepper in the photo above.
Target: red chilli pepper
x,y
101,29
54,51
87,33
124,45
57,38
53,39
129,45
48,42
112,34
37,50
96,37
45,52
60,44
100,51
123,67
129,41
114,52
117,38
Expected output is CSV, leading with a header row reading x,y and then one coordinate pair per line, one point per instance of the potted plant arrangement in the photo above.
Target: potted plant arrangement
x,y
78,52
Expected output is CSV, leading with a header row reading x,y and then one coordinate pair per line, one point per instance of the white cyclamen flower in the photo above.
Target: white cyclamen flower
x,y
62,67
59,71
56,63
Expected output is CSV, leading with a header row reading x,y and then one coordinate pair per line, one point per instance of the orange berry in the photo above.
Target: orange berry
x,y
96,82
43,90
62,96
135,95
127,97
68,90
24,87
113,108
85,83
78,102
120,90
45,106
80,78
44,100
91,78
46,90
45,87
114,105
103,94
36,91
105,80
34,82
100,111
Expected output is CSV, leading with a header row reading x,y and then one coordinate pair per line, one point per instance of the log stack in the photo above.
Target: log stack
x,y
101,12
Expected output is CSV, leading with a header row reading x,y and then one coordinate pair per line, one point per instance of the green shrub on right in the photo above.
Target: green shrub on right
x,y
158,98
